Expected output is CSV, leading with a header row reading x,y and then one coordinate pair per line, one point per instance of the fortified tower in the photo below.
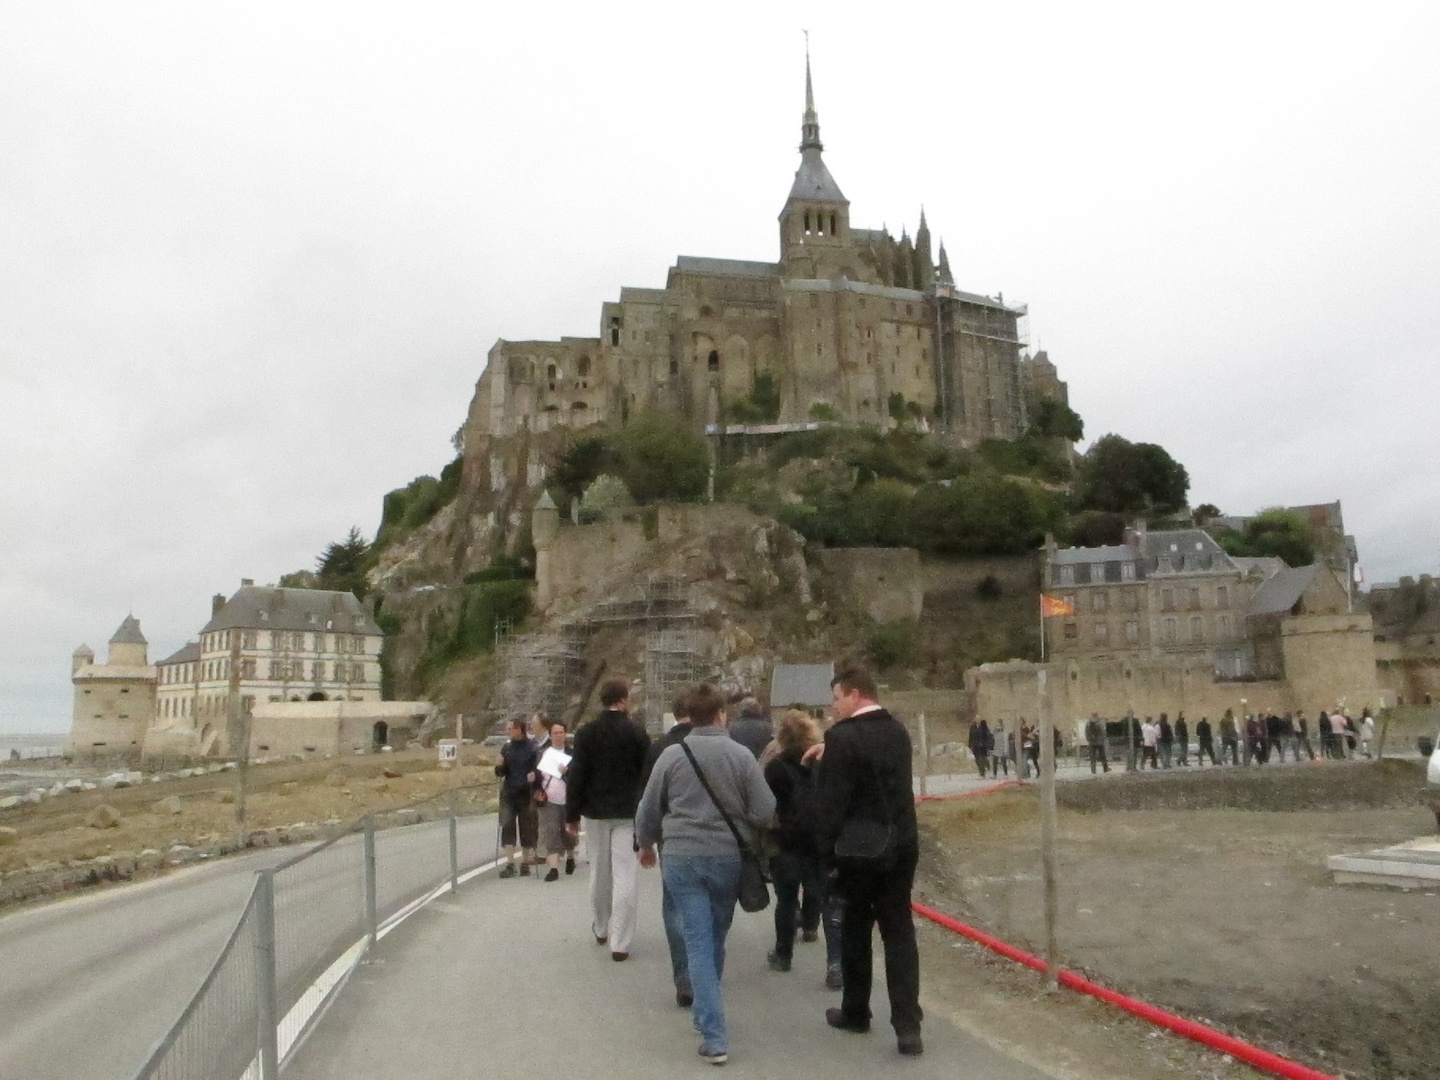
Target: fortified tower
x,y
114,701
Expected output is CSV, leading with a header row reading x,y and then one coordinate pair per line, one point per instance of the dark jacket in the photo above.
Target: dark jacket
x,y
1167,733
604,777
1202,730
795,800
1182,731
752,732
674,735
518,759
980,739
866,773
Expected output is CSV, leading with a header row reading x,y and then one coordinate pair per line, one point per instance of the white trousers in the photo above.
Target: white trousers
x,y
614,869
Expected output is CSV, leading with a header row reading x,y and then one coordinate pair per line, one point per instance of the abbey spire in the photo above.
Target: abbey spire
x,y
816,213
810,126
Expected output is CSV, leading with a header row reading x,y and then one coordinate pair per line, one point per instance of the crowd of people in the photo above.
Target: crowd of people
x,y
1252,739
827,811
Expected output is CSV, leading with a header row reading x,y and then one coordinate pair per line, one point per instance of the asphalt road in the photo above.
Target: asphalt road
x,y
89,984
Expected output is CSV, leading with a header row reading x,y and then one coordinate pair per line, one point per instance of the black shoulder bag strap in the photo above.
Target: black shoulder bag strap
x,y
699,772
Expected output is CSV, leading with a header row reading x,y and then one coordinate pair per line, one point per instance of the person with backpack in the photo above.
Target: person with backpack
x,y
797,862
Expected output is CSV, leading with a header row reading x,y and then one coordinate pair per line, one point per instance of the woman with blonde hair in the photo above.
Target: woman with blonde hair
x,y
796,863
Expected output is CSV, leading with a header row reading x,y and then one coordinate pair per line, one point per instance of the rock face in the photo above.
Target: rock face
x,y
103,816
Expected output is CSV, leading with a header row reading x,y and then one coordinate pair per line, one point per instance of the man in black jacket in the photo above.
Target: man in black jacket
x,y
866,775
603,786
669,913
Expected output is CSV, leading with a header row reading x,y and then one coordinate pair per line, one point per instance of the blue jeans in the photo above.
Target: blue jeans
x,y
674,936
705,889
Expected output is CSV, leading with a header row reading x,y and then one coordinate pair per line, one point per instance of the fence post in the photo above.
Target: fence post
x,y
372,926
267,1005
454,845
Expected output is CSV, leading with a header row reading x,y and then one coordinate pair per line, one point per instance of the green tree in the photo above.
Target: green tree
x,y
660,456
577,469
1122,477
342,565
1277,532
1056,420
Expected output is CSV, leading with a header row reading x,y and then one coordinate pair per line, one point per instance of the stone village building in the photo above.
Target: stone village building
x,y
849,324
263,647
1168,622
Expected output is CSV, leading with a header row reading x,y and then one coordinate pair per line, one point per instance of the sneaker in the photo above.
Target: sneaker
x,y
553,875
775,962
836,1018
684,996
619,957
600,939
508,870
524,869
909,1044
569,864
714,1057
833,979
809,936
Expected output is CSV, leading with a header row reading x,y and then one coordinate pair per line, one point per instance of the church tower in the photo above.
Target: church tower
x,y
815,224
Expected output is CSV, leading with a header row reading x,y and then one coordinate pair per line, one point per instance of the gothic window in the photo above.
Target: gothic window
x,y
833,230
712,362
584,367
807,221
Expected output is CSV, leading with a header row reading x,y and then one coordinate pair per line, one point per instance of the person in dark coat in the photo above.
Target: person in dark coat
x,y
1206,740
518,760
1095,740
978,740
1275,738
867,776
752,728
1167,740
1182,740
604,788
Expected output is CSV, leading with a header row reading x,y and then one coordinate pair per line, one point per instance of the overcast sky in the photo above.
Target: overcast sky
x,y
252,255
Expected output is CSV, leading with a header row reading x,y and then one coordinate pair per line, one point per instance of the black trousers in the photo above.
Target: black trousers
x,y
881,898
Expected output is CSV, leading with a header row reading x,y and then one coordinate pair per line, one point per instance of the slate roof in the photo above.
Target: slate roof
x,y
805,684
1109,553
257,607
186,654
694,264
813,179
129,633
1284,589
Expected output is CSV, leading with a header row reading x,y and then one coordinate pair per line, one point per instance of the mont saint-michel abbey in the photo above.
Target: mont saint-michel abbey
x,y
849,325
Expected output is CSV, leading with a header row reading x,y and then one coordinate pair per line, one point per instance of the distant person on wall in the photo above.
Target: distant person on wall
x,y
1337,734
1182,740
999,740
1149,742
669,913
1095,740
1275,738
1350,735
518,760
866,821
604,788
1229,739
1167,740
1367,733
550,797
1206,740
702,861
978,739
752,728
1255,738
1301,727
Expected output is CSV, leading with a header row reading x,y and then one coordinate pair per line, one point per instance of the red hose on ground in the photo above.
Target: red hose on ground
x,y
977,791
1242,1051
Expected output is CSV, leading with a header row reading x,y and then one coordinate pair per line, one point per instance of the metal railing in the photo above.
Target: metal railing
x,y
306,924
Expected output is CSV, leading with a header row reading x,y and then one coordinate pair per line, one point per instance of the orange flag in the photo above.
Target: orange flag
x,y
1053,605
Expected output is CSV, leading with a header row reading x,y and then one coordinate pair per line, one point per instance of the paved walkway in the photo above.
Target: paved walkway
x,y
504,980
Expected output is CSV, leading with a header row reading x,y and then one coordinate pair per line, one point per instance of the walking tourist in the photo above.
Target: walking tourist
x,y
1302,737
1149,740
604,786
1255,739
1229,739
1275,738
751,728
866,815
550,795
701,864
978,739
518,759
1095,740
1337,734
669,914
1182,740
1167,740
1000,739
1206,741
1367,733
797,861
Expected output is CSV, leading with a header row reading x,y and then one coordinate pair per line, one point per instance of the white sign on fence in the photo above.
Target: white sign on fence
x,y
449,752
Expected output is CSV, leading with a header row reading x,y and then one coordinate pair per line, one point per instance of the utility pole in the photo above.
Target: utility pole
x,y
1048,830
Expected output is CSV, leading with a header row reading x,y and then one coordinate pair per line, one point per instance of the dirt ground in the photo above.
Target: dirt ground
x,y
1205,893
56,850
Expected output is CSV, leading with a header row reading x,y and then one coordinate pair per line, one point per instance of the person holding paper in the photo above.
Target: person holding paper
x,y
550,797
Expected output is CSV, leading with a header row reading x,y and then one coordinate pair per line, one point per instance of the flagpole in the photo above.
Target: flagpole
x,y
1042,627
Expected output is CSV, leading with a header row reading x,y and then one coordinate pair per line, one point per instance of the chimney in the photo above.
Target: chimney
x,y
245,582
216,603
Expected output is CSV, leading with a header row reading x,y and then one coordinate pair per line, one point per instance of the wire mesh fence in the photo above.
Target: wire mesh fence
x,y
305,923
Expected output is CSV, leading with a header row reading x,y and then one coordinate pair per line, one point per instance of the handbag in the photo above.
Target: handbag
x,y
865,844
754,890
